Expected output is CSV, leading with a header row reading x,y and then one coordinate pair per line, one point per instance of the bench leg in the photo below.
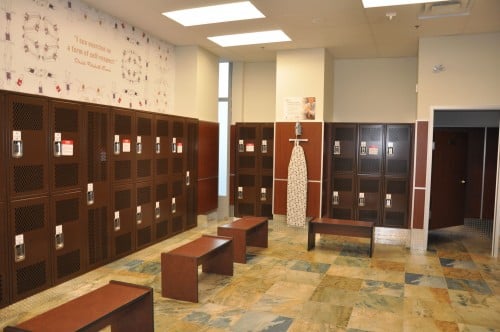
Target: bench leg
x,y
222,262
372,240
311,237
179,277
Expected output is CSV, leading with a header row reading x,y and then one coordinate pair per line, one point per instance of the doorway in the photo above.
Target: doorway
x,y
464,177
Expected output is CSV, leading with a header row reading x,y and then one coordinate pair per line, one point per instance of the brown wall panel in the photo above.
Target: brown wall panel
x,y
312,148
419,208
207,195
421,155
313,199
208,149
490,173
280,197
232,156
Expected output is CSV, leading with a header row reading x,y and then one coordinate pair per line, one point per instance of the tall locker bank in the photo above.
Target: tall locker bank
x,y
191,174
178,166
28,190
4,248
162,203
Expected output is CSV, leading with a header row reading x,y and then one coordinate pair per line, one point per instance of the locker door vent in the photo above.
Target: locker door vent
x,y
267,181
144,168
246,180
340,213
177,165
28,178
267,210
161,166
123,243
340,184
398,134
161,229
143,127
123,199
369,166
368,215
27,117
67,210
143,195
98,235
394,218
343,164
162,128
31,277
143,236
267,162
123,169
65,120
369,186
96,146
68,264
396,187
246,162
66,175
178,129
268,133
161,191
123,124
29,218
246,209
397,166
177,224
370,134
177,188
344,134
247,133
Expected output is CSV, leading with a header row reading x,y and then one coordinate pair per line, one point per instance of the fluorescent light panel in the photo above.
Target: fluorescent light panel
x,y
251,38
235,11
386,3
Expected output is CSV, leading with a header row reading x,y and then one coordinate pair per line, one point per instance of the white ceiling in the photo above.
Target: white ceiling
x,y
343,27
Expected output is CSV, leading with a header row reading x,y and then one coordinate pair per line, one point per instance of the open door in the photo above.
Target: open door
x,y
449,171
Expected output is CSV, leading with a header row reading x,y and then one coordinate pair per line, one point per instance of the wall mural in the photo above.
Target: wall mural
x,y
66,49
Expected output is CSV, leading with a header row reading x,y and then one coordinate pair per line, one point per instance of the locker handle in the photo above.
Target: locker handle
x,y
336,198
17,148
116,224
116,147
388,200
90,197
59,241
138,148
263,194
157,148
57,148
361,199
188,180
174,206
240,192
20,252
157,212
138,217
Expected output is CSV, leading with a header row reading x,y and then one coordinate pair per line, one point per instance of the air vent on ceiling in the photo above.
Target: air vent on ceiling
x,y
445,8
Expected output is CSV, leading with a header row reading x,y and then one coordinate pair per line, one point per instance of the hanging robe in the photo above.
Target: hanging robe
x,y
296,198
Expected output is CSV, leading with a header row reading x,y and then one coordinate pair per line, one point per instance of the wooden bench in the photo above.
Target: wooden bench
x,y
356,228
117,305
247,231
179,267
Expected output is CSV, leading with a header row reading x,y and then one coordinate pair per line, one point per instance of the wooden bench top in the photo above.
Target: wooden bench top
x,y
245,223
346,222
201,246
86,309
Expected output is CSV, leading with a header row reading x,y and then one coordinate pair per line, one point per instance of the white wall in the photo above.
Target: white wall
x,y
471,78
375,90
259,92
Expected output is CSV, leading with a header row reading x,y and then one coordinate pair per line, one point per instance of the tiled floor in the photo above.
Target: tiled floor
x,y
455,286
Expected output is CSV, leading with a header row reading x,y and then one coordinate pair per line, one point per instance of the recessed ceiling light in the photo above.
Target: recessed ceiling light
x,y
251,38
386,3
235,11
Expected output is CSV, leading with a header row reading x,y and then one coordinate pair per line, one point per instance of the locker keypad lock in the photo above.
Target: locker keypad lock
x,y
17,149
362,149
361,199
390,148
59,241
336,198
20,252
388,200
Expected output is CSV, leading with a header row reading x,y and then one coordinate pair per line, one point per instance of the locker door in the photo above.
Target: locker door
x,y
3,167
245,195
265,187
97,185
344,138
247,165
177,175
162,210
145,144
123,238
68,234
28,236
144,214
27,131
191,174
370,149
66,142
5,283
368,198
398,149
162,147
343,196
178,206
395,202
123,168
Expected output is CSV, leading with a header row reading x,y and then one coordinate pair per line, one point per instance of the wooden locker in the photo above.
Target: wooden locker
x,y
178,205
5,283
343,146
144,214
66,136
68,235
343,196
369,189
27,132
178,159
162,210
163,147
395,202
191,174
398,148
370,149
123,165
30,261
145,145
97,185
123,234
265,187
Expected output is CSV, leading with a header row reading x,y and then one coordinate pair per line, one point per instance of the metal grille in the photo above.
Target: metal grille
x,y
267,162
143,127
342,184
123,199
161,229
267,133
340,213
177,225
162,166
343,164
368,215
68,264
246,133
161,191
98,235
162,128
396,187
96,147
65,119
123,169
144,236
397,166
344,134
246,180
143,168
369,166
246,162
66,175
369,186
29,218
31,277
177,188
28,178
246,209
177,165
123,124
67,210
123,243
394,218
370,134
143,195
27,116
398,134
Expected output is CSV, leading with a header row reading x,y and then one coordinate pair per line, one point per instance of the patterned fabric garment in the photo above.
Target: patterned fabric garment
x,y
296,198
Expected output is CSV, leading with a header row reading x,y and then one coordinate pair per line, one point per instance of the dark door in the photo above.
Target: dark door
x,y
449,169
